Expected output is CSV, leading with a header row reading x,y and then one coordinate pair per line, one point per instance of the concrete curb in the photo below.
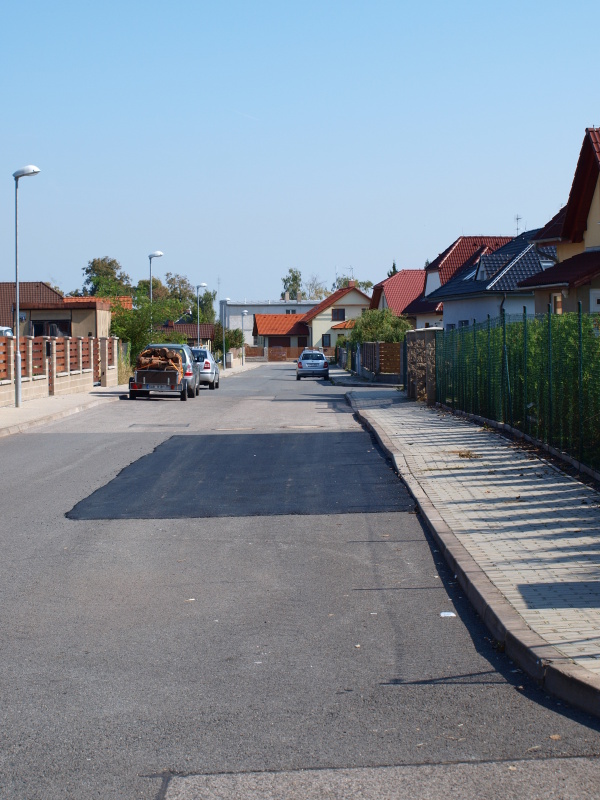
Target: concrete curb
x,y
20,427
556,673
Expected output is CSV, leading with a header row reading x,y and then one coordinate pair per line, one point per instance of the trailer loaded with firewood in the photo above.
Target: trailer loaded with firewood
x,y
158,369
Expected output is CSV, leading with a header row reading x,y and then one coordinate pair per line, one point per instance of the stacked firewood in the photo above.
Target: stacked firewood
x,y
160,359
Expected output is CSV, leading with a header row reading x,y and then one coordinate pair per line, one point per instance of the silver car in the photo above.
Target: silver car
x,y
312,364
207,366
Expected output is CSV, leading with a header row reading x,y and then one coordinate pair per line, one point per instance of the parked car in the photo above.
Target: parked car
x,y
312,364
191,370
6,332
208,367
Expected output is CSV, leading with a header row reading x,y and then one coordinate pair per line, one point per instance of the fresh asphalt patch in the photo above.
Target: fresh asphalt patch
x,y
241,475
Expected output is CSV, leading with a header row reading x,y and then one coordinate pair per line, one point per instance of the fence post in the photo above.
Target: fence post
x,y
525,420
475,404
404,362
580,382
549,430
489,369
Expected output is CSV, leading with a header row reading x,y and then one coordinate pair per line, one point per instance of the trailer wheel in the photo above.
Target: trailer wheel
x,y
132,395
183,395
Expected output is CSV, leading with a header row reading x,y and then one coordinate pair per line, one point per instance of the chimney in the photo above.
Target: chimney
x,y
286,297
351,284
299,296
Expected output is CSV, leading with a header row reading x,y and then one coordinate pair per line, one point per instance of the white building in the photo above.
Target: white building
x,y
231,312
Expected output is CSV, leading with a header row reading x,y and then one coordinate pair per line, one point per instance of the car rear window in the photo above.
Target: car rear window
x,y
200,354
312,357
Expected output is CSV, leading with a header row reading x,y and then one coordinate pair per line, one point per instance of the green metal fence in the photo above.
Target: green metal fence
x,y
539,374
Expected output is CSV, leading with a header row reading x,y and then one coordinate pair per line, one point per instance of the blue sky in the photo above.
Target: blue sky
x,y
245,138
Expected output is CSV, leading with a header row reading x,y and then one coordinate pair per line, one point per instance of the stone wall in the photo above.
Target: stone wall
x,y
420,348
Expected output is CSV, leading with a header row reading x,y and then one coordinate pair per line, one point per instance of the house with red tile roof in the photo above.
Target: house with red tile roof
x,y
399,290
280,330
463,252
575,231
343,305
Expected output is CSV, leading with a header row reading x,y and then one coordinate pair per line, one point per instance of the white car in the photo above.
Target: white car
x,y
208,367
6,332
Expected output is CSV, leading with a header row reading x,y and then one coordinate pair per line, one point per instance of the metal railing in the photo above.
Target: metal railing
x,y
540,375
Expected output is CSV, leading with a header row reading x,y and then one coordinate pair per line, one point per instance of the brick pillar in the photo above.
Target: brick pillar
x,y
10,359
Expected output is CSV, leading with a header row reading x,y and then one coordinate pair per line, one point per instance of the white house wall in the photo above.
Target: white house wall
x,y
478,308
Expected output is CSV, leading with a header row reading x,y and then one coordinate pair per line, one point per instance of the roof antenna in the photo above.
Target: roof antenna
x,y
517,220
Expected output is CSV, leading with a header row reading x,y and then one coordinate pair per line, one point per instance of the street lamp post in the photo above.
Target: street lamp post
x,y
20,173
198,287
155,254
244,315
224,315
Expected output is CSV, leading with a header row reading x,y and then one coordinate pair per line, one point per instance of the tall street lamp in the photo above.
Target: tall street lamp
x,y
155,254
20,173
200,286
244,315
224,314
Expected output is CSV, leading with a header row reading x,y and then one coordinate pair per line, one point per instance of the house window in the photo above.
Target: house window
x,y
326,340
450,326
463,323
556,303
338,314
290,311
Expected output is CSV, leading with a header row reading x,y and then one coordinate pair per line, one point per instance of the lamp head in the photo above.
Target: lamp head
x,y
156,254
25,171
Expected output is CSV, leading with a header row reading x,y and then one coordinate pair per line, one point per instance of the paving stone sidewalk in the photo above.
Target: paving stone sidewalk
x,y
533,530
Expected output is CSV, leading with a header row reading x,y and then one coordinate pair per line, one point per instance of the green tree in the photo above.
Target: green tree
x,y
179,288
315,288
104,277
379,326
141,324
342,281
292,283
233,338
159,290
393,270
207,307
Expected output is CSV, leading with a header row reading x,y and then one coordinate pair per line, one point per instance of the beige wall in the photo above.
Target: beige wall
x,y
569,298
591,236
353,302
83,320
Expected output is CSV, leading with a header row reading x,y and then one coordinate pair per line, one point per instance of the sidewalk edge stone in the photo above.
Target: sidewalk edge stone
x,y
556,673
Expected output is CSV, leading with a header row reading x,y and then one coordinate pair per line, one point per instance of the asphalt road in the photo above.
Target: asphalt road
x,y
180,622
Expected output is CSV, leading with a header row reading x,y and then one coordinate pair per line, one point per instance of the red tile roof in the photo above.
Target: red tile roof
x,y
190,329
29,292
331,300
583,187
574,271
279,325
400,289
464,249
346,325
125,301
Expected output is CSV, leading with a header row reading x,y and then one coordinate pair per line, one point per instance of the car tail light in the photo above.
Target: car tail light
x,y
299,365
188,372
207,364
326,364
